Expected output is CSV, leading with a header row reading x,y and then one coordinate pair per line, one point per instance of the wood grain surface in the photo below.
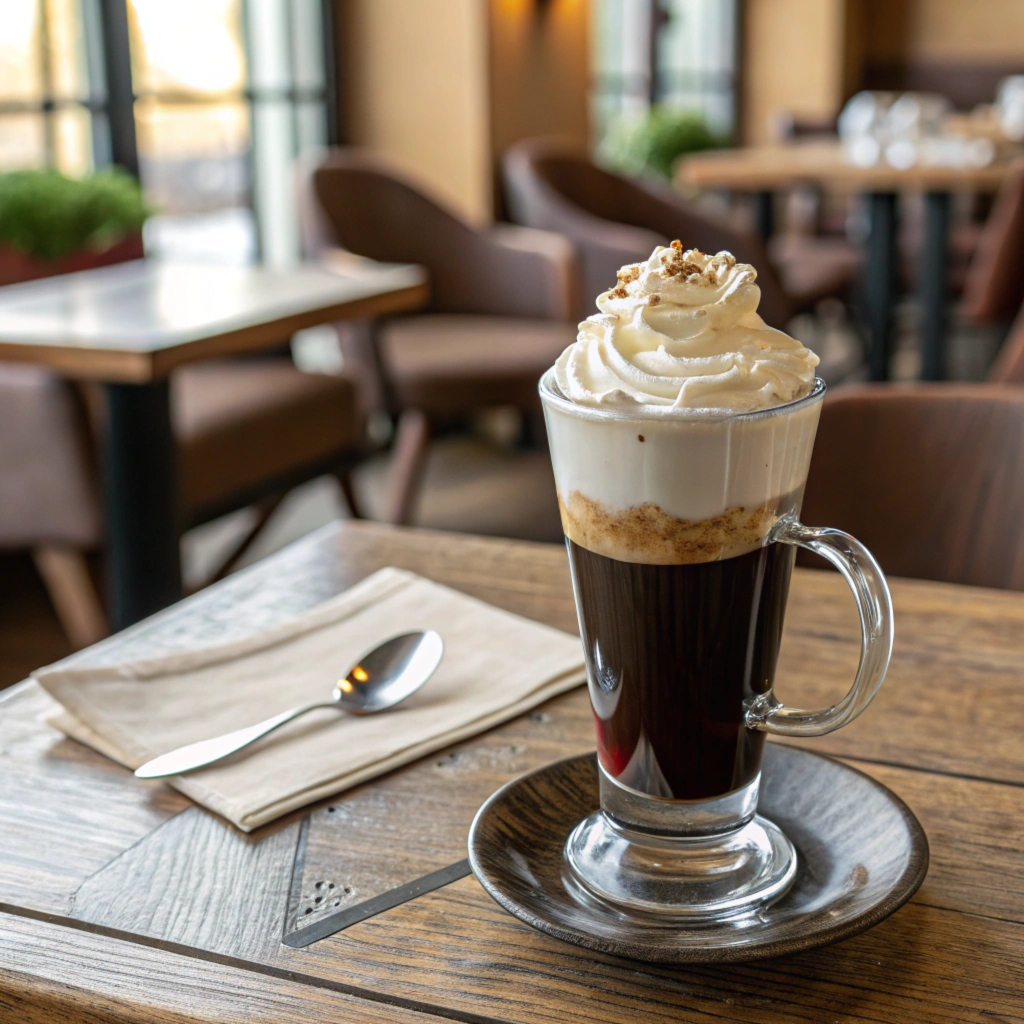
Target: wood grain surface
x,y
120,901
765,168
135,322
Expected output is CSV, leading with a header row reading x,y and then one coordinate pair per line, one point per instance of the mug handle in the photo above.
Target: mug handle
x,y
870,591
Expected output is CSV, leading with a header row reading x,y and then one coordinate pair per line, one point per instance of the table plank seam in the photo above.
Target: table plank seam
x,y
252,966
965,776
113,860
966,913
291,907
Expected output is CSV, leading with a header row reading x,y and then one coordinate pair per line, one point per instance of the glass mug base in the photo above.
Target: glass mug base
x,y
686,860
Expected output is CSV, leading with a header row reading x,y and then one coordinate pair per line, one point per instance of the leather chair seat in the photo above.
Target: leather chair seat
x,y
242,425
445,364
813,268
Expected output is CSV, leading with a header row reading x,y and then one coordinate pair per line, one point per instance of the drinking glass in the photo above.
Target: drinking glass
x,y
682,531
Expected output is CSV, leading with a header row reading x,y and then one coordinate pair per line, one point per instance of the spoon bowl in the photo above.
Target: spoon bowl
x,y
389,673
382,678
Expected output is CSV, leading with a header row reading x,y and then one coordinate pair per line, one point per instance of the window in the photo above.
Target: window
x,y
679,52
222,96
51,110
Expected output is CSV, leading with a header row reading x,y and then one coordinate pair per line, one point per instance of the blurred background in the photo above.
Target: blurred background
x,y
855,134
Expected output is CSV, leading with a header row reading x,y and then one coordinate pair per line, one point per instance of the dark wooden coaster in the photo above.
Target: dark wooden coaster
x,y
862,855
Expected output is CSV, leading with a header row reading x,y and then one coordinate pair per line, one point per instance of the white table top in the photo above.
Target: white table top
x,y
135,321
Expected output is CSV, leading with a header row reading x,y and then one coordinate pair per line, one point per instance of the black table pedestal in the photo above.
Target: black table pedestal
x,y
764,214
932,287
879,281
141,502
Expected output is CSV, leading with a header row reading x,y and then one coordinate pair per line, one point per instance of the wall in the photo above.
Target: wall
x,y
962,30
794,60
539,70
959,48
416,92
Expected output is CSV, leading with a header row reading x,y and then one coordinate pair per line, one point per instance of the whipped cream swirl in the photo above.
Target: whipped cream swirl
x,y
681,332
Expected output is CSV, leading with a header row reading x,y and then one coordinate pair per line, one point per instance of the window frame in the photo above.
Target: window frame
x,y
111,95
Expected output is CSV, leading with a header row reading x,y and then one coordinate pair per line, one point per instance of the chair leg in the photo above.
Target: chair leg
x,y
348,492
412,439
264,510
66,577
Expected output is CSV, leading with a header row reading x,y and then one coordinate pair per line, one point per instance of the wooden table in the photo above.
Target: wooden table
x,y
119,901
130,326
763,170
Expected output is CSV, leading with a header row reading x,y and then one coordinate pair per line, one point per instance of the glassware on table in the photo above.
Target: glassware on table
x,y
681,622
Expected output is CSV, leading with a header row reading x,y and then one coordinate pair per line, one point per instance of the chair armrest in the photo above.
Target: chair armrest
x,y
515,271
614,244
604,247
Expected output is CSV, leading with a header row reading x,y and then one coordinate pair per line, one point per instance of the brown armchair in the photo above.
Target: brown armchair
x,y
503,304
929,476
247,431
612,220
994,287
48,495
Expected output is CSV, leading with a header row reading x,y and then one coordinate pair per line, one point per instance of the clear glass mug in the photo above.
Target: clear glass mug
x,y
681,533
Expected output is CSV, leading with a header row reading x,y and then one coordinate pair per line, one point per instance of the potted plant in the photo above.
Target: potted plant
x,y
52,224
651,144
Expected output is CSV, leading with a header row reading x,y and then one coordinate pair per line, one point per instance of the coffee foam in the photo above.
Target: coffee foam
x,y
681,490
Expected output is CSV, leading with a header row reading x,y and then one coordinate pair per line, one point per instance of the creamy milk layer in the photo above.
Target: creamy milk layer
x,y
652,463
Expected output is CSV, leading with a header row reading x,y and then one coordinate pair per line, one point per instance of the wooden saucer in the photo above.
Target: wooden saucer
x,y
862,855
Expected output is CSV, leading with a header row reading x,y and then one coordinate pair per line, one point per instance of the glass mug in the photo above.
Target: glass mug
x,y
682,533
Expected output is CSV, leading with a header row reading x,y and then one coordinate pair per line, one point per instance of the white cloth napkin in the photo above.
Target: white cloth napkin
x,y
496,665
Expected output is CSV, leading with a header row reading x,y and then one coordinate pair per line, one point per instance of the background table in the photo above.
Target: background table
x,y
763,170
129,326
121,901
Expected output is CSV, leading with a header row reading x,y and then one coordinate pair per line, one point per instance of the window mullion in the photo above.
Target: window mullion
x,y
117,63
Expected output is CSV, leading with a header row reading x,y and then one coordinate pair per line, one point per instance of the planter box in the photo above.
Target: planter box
x,y
17,266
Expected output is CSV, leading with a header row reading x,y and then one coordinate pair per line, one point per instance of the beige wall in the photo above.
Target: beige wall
x,y
540,58
963,30
417,93
794,60
442,87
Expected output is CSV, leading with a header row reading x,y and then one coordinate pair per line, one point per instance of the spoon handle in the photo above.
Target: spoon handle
x,y
196,755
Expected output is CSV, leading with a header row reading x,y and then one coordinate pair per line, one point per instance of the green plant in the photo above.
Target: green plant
x,y
49,216
652,144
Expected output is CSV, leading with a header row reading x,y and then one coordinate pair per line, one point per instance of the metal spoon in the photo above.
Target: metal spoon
x,y
379,680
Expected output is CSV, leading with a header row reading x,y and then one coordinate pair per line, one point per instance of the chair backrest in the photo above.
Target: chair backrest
x,y
553,186
994,287
48,479
373,212
351,199
364,206
929,477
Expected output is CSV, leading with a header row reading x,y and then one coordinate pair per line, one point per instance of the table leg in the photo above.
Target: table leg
x,y
879,281
140,496
764,213
934,267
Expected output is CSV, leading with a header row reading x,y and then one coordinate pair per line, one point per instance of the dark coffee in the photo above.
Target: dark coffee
x,y
673,654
